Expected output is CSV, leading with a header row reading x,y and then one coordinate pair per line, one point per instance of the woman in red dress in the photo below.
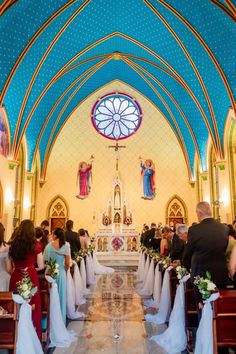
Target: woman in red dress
x,y
25,251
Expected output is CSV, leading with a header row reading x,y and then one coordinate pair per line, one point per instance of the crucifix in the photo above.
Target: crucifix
x,y
116,148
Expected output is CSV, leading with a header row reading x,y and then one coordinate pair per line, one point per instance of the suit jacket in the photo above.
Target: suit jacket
x,y
148,236
73,239
177,248
155,244
205,250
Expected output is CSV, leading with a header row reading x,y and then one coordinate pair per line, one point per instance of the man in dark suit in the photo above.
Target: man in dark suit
x,y
176,245
149,235
72,237
205,248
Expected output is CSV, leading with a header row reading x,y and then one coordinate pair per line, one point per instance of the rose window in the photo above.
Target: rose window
x,y
116,116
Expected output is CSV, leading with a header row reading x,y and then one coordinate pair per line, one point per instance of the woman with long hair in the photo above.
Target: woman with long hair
x,y
5,263
59,250
25,252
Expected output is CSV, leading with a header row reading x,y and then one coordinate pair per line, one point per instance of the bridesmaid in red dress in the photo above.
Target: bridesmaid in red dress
x,y
25,251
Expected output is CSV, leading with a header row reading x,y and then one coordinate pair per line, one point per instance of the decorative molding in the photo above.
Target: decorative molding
x,y
204,176
29,176
221,165
12,164
42,183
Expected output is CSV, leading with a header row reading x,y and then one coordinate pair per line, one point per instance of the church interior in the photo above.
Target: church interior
x,y
116,114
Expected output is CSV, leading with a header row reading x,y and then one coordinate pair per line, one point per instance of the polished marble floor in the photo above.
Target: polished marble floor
x,y
115,321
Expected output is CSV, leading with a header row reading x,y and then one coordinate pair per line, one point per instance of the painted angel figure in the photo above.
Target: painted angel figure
x,y
84,178
148,178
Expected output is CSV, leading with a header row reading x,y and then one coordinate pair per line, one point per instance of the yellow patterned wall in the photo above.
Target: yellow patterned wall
x,y
78,140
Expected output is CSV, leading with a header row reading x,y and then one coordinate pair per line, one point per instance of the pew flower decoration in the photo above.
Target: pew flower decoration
x,y
165,262
91,248
205,285
26,288
52,268
181,272
80,255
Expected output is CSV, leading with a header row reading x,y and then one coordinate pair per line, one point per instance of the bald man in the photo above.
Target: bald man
x,y
205,248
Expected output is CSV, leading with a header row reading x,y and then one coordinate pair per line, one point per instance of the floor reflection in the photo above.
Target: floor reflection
x,y
115,320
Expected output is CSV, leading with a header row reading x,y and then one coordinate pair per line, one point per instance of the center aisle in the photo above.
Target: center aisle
x,y
115,320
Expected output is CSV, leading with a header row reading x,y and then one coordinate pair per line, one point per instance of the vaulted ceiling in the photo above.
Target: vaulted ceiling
x,y
180,54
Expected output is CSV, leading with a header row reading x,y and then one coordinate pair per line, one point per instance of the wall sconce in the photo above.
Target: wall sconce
x,y
27,203
9,198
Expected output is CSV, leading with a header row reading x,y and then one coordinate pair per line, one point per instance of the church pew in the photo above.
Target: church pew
x,y
8,322
191,317
45,305
224,320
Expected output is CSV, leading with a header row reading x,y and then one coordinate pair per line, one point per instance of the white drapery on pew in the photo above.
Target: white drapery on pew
x,y
27,339
59,335
78,284
141,265
165,302
148,285
90,276
99,268
204,339
156,290
84,277
71,312
174,339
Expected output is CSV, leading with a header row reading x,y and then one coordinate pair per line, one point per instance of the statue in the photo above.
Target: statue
x,y
84,178
148,177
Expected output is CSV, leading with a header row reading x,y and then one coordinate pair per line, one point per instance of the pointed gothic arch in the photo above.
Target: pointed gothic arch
x,y
176,210
58,212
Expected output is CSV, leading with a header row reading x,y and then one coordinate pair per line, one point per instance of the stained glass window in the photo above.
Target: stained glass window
x,y
116,116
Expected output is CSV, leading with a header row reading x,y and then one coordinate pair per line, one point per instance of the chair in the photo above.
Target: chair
x,y
224,320
45,305
8,322
191,318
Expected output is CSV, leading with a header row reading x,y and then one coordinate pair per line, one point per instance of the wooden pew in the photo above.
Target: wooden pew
x,y
191,318
224,320
8,322
45,304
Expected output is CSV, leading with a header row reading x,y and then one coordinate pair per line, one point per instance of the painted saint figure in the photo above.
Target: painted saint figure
x,y
148,178
84,178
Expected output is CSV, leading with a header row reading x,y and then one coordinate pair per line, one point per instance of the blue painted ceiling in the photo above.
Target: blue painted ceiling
x,y
179,54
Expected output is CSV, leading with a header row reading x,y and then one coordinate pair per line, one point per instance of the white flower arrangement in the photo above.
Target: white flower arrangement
x,y
52,268
165,261
181,272
25,288
205,285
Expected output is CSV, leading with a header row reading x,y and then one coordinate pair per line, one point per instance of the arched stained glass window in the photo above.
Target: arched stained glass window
x,y
116,116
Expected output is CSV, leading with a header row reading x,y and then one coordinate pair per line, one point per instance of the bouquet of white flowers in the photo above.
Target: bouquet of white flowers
x,y
25,288
52,268
165,261
181,272
205,285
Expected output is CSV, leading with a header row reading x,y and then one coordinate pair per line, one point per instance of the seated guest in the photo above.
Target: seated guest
x,y
84,242
145,228
5,263
25,251
41,237
72,237
232,266
59,250
45,226
149,234
205,249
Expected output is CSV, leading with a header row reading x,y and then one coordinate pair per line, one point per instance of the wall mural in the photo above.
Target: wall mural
x,y
4,135
84,178
148,178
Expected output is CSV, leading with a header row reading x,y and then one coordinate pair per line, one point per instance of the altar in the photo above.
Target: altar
x,y
117,234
